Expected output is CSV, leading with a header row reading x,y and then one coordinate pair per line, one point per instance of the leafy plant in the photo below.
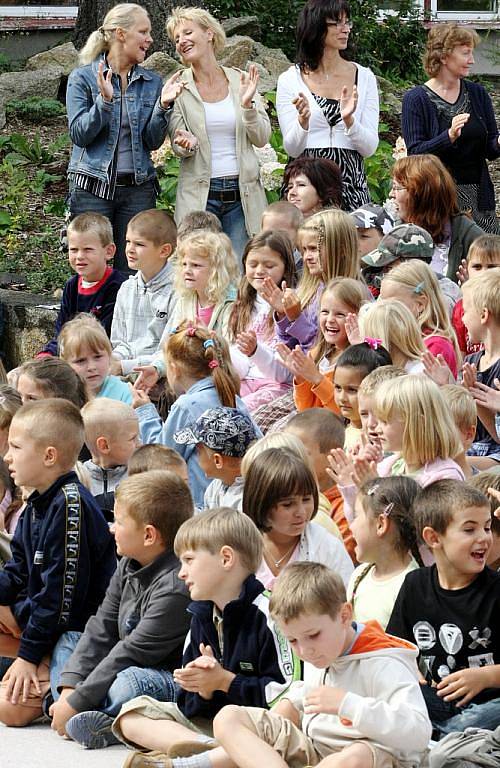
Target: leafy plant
x,y
5,63
35,109
22,150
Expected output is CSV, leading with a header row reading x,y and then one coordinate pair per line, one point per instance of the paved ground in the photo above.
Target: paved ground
x,y
38,747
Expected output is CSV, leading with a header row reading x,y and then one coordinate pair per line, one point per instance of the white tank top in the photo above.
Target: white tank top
x,y
220,119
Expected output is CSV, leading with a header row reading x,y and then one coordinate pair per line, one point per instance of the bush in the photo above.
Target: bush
x,y
5,64
35,109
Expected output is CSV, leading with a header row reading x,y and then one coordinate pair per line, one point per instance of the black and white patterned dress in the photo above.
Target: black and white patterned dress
x,y
354,185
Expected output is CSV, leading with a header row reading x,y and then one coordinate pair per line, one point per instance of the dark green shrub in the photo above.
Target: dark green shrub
x,y
35,109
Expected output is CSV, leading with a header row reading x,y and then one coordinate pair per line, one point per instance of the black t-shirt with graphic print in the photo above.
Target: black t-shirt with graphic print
x,y
453,628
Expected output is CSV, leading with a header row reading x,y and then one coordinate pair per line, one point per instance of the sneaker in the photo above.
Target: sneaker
x,y
92,730
147,760
188,748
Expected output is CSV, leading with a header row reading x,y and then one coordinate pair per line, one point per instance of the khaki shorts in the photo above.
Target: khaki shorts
x,y
159,710
296,748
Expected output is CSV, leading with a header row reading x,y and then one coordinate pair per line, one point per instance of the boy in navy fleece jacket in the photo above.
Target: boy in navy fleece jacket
x,y
63,554
234,654
94,287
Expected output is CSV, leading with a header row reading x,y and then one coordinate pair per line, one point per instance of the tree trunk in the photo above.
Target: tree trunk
x,y
92,12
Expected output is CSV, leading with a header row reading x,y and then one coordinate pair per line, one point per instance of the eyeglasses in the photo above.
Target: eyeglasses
x,y
397,187
339,24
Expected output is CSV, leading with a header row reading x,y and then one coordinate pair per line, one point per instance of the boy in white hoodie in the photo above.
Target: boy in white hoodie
x,y
146,300
360,703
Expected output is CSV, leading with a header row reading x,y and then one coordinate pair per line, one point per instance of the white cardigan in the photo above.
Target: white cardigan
x,y
361,136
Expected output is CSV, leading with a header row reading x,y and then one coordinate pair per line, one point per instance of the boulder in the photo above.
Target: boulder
x,y
237,52
243,25
266,81
29,324
20,85
272,59
63,57
390,96
163,64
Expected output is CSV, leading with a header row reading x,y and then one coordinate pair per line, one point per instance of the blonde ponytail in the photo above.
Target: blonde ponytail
x,y
121,16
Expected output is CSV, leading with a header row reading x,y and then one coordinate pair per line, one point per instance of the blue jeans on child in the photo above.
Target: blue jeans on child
x,y
129,683
446,717
230,214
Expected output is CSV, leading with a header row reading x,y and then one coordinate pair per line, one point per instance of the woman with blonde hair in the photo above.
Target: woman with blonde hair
x,y
118,112
415,285
393,323
218,119
425,194
453,118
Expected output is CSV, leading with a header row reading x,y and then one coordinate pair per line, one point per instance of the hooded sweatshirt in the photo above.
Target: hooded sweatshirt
x,y
141,313
383,702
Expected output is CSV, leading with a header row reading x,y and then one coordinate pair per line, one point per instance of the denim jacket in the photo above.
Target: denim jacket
x,y
94,125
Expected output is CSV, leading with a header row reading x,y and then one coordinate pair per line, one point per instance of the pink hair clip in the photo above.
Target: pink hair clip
x,y
191,331
373,343
213,364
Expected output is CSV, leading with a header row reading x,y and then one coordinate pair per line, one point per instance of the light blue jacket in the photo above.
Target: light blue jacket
x,y
184,412
94,125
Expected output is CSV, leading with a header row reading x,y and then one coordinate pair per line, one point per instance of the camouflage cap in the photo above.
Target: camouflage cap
x,y
370,215
224,430
406,241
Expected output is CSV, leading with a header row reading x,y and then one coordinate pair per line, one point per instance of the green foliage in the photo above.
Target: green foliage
x,y
5,63
35,109
168,175
20,150
378,172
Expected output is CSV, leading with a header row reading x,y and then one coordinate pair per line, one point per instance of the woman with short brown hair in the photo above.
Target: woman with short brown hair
x,y
453,118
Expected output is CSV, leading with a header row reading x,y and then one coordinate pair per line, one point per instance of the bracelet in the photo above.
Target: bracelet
x,y
252,106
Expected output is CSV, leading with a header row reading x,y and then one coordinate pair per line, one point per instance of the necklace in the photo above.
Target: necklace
x,y
277,563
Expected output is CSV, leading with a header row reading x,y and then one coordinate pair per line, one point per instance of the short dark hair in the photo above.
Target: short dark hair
x,y
482,482
54,421
159,498
272,476
435,504
324,426
312,29
324,175
364,356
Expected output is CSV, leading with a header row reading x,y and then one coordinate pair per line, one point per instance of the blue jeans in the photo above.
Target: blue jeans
x,y
446,717
126,203
129,683
230,215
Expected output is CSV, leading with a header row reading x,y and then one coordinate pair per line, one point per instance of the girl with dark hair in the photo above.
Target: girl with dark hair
x,y
267,260
281,497
313,183
386,545
327,106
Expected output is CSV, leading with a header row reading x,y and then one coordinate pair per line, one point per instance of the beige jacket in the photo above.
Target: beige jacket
x,y
252,128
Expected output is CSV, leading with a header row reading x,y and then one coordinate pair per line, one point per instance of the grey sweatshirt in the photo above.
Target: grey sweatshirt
x,y
141,622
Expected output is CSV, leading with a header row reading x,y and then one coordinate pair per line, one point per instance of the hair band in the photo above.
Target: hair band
x,y
191,331
372,490
213,364
419,288
174,330
208,343
373,343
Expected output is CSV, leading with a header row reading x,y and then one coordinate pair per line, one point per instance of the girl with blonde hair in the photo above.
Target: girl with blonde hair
x,y
415,285
393,323
118,112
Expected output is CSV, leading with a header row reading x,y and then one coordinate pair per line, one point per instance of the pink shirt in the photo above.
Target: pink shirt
x,y
204,314
438,345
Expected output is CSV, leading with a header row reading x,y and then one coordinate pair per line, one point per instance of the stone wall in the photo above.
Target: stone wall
x,y
29,321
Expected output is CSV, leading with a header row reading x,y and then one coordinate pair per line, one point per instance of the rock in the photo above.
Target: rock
x,y
237,52
390,96
272,59
63,57
163,64
243,25
266,82
20,85
29,324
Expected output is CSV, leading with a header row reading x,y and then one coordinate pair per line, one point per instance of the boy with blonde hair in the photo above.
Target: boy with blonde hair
x,y
481,301
360,703
134,642
63,554
95,286
464,413
111,435
146,300
156,456
233,654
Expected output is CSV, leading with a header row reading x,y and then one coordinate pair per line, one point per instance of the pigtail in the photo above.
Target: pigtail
x,y
220,367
